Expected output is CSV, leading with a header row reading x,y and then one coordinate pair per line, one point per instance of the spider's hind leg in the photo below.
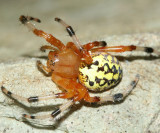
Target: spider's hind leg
x,y
30,99
36,98
41,98
118,97
56,112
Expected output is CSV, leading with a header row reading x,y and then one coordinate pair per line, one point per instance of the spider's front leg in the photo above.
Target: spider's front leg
x,y
70,32
49,38
43,68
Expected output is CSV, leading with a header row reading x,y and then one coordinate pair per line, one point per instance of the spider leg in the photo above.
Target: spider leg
x,y
43,68
84,53
47,47
50,63
91,45
49,38
116,97
68,85
40,98
77,90
87,46
29,18
70,32
34,98
9,93
73,90
72,46
126,48
60,109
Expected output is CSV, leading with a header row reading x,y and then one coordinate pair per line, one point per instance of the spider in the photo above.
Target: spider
x,y
78,69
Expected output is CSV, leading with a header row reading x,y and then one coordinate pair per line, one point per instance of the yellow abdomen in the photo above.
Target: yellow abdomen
x,y
103,73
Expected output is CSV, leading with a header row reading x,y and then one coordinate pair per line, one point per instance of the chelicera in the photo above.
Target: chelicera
x,y
77,68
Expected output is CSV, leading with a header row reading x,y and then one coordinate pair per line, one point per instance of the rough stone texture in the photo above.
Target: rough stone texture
x,y
93,20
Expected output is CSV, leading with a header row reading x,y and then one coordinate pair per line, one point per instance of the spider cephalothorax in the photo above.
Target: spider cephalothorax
x,y
77,68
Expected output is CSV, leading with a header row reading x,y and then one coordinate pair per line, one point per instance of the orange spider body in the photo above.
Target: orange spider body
x,y
65,70
65,63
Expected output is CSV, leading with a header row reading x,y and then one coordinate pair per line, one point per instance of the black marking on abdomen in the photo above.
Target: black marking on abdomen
x,y
89,66
105,81
100,69
91,83
114,70
96,63
120,71
108,70
97,80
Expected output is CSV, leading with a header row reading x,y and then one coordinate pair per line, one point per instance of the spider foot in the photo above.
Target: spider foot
x,y
118,97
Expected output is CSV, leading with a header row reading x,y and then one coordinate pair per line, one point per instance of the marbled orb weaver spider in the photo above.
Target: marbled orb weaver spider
x,y
78,68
